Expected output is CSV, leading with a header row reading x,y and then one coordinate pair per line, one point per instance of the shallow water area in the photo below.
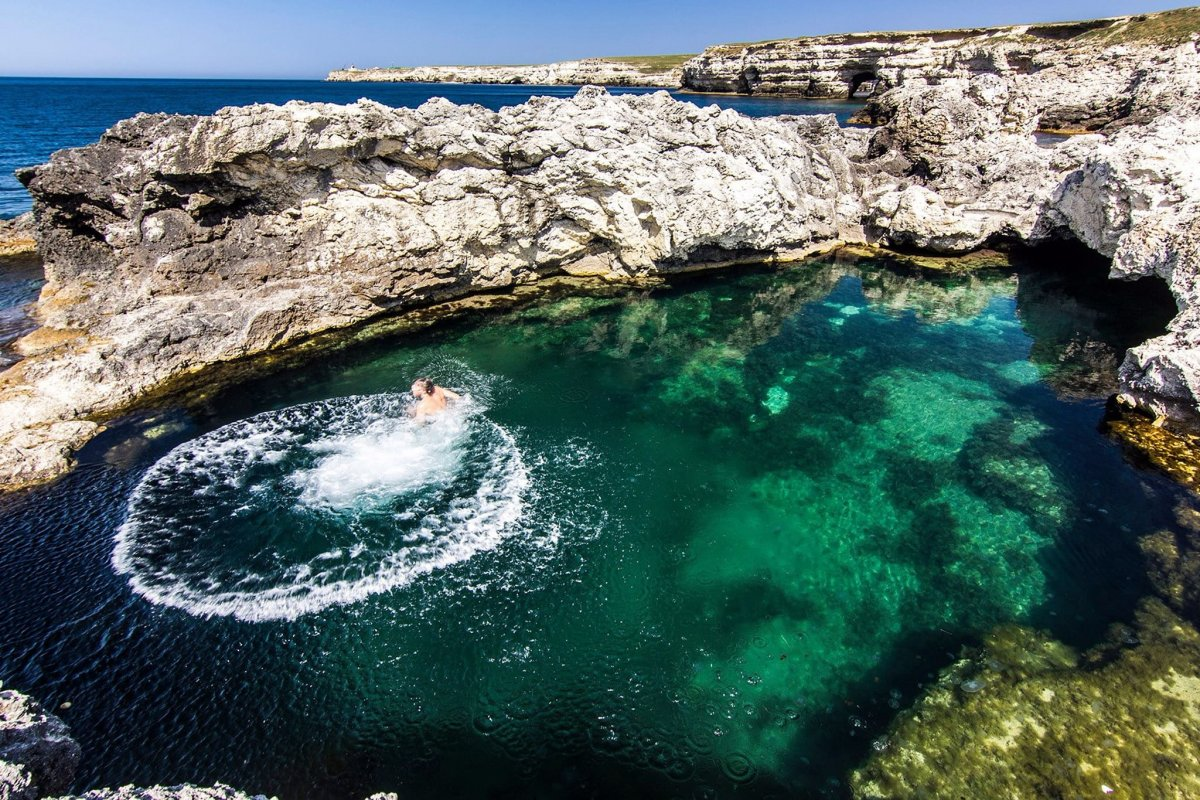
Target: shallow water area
x,y
703,541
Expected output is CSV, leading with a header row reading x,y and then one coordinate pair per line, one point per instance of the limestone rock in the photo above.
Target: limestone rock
x,y
597,71
37,754
182,792
16,783
17,236
179,242
1078,75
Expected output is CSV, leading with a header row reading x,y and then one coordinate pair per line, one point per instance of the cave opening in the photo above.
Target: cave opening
x,y
862,85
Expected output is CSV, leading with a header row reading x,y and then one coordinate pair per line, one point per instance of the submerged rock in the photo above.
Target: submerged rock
x,y
1039,721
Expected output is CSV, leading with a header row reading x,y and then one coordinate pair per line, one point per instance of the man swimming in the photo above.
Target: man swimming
x,y
431,398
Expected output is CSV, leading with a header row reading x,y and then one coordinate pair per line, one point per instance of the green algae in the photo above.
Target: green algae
x,y
1021,719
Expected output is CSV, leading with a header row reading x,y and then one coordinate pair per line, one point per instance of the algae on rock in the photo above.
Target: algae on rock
x,y
1025,717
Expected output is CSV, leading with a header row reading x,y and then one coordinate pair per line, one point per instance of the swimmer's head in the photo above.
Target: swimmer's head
x,y
422,387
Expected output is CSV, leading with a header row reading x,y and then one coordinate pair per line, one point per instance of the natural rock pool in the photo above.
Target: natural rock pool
x,y
677,543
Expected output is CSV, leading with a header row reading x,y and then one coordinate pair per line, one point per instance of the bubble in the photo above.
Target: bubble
x,y
290,511
738,768
487,724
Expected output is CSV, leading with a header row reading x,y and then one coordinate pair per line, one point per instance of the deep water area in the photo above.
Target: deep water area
x,y
698,541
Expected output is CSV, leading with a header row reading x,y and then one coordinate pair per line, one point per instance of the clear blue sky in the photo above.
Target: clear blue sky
x,y
306,38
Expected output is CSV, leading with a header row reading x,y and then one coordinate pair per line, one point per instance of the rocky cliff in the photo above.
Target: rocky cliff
x,y
177,243
1080,74
38,759
17,236
652,71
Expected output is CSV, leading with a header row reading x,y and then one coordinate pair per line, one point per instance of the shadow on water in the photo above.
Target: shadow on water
x,y
817,484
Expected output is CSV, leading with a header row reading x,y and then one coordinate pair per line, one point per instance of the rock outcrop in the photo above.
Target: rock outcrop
x,y
659,71
180,242
182,792
38,757
177,243
1079,75
17,236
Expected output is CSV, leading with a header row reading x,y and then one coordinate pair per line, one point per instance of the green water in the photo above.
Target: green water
x,y
758,510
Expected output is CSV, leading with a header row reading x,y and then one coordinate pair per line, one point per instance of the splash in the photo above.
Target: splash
x,y
291,511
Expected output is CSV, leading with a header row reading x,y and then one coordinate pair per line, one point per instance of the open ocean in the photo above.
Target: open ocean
x,y
41,115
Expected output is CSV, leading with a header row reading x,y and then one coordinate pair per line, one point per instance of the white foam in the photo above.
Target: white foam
x,y
368,453
391,457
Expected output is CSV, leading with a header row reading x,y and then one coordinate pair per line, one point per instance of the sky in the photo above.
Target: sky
x,y
307,38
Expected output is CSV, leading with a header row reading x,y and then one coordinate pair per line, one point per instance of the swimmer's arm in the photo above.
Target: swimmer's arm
x,y
451,395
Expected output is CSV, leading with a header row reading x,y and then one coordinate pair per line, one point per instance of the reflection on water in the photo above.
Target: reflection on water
x,y
760,510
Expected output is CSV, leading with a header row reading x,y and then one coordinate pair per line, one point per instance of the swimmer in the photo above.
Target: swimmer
x,y
431,398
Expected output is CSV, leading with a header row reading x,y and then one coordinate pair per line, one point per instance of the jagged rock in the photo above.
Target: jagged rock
x,y
1078,75
177,243
37,754
17,236
1026,717
182,792
596,71
16,783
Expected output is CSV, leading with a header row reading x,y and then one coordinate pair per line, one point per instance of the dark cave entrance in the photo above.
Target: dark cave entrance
x,y
863,85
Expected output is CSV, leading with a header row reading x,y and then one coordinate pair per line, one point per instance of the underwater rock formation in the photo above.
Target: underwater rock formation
x,y
177,243
1028,717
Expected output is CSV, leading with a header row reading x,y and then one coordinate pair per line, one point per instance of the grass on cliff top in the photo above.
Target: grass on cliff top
x,y
648,65
1166,27
1172,26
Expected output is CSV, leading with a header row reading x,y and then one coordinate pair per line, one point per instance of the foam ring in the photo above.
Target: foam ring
x,y
291,511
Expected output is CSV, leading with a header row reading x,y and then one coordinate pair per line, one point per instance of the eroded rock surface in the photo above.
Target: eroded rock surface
x,y
597,71
17,236
182,792
38,757
176,243
1079,75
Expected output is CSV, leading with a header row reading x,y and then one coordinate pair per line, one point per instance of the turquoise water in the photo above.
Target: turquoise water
x,y
697,542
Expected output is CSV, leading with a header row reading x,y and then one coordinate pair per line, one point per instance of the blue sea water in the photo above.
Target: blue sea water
x,y
41,115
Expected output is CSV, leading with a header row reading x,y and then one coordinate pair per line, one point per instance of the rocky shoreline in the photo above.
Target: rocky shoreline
x,y
177,246
178,243
596,71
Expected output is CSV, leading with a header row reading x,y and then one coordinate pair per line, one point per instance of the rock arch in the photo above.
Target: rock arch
x,y
863,80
